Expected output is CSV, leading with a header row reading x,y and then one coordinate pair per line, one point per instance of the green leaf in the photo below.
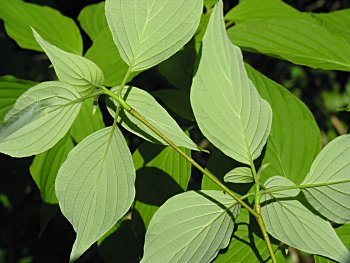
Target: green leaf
x,y
106,56
227,107
191,227
92,19
246,244
295,138
161,173
239,175
293,224
45,166
151,31
344,234
59,30
336,22
10,89
278,182
209,3
87,122
149,108
332,165
300,41
95,186
80,72
262,10
39,119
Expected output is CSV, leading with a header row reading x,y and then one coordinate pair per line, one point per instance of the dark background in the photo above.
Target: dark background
x,y
21,225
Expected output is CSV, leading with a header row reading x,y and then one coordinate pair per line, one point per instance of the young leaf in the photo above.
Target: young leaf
x,y
227,107
276,182
239,175
332,165
39,119
191,227
45,166
149,108
80,72
106,56
95,186
50,23
300,41
10,89
295,138
148,32
161,173
92,19
293,224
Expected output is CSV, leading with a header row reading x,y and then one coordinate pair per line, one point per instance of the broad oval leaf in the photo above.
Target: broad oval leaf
x,y
295,138
150,109
95,186
331,166
293,224
39,119
239,175
92,19
78,71
149,31
226,105
50,23
191,227
277,183
10,89
45,166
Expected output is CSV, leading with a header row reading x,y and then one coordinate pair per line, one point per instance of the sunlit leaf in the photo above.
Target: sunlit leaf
x,y
148,32
95,186
239,175
227,107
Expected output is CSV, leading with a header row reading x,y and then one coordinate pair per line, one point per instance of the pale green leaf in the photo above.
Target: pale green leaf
x,y
80,72
239,175
331,166
95,186
293,224
92,19
10,89
87,122
150,31
191,227
336,22
45,166
263,9
106,56
277,182
344,234
227,107
300,41
39,119
161,173
59,30
295,138
150,109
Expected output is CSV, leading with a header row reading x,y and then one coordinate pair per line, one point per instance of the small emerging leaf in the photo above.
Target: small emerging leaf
x,y
278,182
239,175
39,119
80,72
191,227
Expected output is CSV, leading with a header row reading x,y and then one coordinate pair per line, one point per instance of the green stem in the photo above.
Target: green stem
x,y
134,113
125,79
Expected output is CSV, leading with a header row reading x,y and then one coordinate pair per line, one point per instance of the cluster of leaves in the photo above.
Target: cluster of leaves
x,y
89,171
